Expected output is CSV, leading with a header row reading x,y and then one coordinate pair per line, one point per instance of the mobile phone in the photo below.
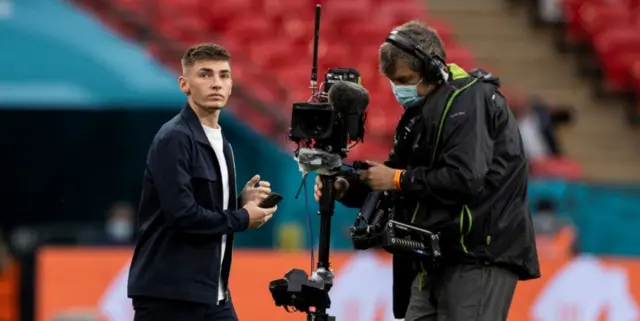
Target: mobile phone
x,y
272,200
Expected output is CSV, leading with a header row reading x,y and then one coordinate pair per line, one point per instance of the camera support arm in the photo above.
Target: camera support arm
x,y
326,209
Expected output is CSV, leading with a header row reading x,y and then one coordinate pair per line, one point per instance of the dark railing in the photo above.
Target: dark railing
x,y
140,28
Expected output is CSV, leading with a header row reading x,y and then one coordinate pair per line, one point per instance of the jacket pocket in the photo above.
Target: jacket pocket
x,y
205,185
466,223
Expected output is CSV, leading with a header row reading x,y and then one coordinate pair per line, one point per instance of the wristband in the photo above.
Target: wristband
x,y
397,177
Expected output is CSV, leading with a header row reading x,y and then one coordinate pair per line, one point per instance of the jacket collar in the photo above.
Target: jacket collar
x,y
194,124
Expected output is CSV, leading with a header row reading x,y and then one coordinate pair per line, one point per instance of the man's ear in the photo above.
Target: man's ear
x,y
183,85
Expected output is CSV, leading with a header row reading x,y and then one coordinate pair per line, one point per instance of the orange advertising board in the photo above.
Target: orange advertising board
x,y
93,280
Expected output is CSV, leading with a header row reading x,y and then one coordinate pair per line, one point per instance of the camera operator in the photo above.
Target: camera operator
x,y
457,168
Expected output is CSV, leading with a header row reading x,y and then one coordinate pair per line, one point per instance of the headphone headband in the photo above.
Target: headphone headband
x,y
433,67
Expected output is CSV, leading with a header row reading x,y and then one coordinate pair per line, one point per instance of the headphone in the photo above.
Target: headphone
x,y
434,68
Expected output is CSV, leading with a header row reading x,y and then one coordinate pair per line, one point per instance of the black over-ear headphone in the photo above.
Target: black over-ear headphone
x,y
434,68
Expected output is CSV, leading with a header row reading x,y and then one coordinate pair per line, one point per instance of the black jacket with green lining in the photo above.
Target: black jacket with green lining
x,y
466,178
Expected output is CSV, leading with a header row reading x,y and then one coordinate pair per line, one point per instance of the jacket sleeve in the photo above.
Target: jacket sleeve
x,y
466,154
358,190
168,164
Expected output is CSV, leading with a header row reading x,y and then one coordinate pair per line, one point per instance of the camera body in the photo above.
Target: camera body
x,y
335,118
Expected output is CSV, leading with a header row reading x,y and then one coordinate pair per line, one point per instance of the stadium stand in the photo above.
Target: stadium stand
x,y
523,56
608,30
273,39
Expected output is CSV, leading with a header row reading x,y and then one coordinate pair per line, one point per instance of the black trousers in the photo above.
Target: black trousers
x,y
155,309
462,293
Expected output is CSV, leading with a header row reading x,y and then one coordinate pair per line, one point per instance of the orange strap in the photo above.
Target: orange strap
x,y
397,177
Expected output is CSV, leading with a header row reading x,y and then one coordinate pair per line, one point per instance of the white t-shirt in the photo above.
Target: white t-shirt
x,y
532,139
214,135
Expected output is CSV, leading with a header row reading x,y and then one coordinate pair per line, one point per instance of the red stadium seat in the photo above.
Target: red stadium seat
x,y
635,74
575,33
219,15
345,11
270,53
556,168
287,9
371,150
617,50
597,17
296,76
250,28
363,35
297,29
397,12
184,30
173,8
133,6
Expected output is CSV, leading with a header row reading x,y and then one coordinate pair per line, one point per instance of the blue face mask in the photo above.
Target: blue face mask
x,y
407,95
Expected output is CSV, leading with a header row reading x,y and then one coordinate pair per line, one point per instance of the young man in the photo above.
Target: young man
x,y
188,210
457,168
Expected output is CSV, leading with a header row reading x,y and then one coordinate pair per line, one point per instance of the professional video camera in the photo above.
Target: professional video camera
x,y
324,129
375,227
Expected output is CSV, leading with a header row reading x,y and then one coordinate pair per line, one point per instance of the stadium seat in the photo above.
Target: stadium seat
x,y
287,9
556,168
297,29
574,32
220,15
635,74
617,49
340,11
175,9
598,17
397,12
249,28
270,53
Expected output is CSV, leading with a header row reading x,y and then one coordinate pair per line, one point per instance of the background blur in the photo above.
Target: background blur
x,y
85,84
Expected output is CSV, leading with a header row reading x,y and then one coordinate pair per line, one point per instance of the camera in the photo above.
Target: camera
x,y
324,127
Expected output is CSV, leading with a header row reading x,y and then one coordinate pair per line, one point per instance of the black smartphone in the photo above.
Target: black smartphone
x,y
272,200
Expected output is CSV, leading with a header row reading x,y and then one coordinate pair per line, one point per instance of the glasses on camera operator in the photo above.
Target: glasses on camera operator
x,y
457,168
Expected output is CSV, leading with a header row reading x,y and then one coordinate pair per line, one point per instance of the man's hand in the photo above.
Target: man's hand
x,y
379,177
257,215
340,187
253,193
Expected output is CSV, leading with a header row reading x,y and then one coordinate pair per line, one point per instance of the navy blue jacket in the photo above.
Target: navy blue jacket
x,y
177,255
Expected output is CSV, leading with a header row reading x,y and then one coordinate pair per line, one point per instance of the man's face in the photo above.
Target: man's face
x,y
404,75
208,83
